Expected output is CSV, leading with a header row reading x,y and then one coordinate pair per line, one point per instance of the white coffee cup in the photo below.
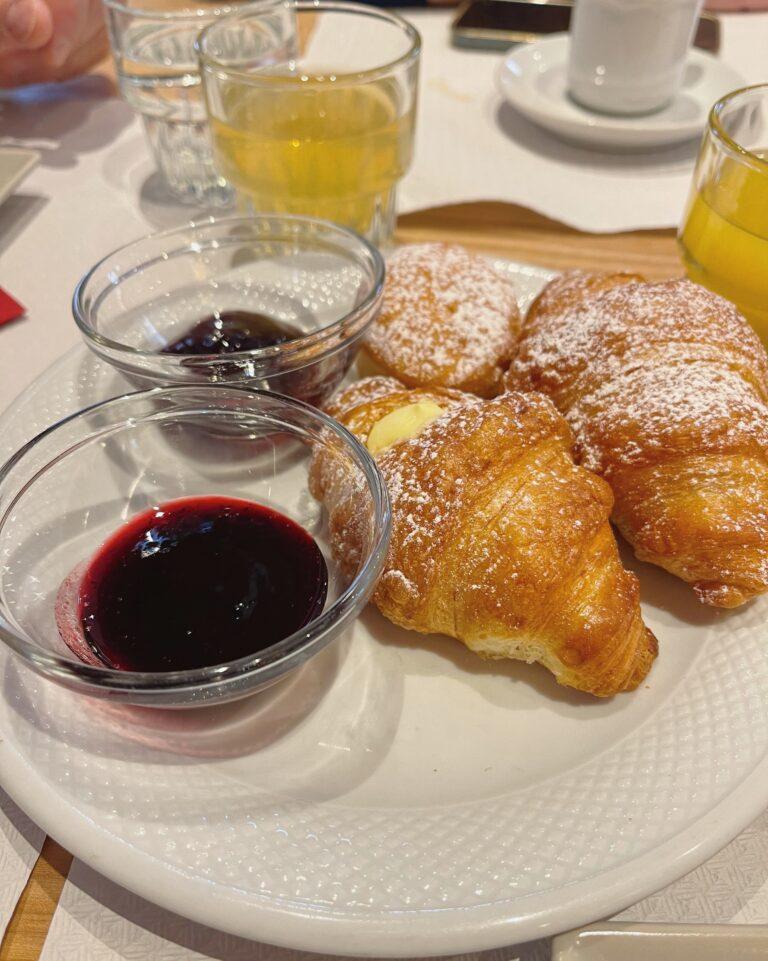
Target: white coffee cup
x,y
628,56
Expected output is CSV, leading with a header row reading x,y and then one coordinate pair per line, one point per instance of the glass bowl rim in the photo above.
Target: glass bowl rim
x,y
108,678
211,63
715,126
191,14
286,349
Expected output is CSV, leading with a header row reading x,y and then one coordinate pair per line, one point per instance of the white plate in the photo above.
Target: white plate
x,y
532,78
399,796
664,942
15,164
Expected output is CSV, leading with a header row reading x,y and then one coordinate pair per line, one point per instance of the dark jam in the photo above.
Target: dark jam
x,y
197,582
232,331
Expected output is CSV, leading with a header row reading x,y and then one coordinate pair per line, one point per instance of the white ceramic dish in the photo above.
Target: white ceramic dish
x,y
664,942
398,796
532,78
15,164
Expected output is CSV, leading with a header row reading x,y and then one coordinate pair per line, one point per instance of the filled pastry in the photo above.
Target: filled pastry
x,y
574,286
666,389
498,539
448,319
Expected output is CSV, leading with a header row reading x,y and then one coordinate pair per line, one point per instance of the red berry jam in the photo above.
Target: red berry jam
x,y
197,582
231,331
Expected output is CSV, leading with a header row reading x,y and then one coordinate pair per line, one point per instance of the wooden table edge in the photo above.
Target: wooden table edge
x,y
28,928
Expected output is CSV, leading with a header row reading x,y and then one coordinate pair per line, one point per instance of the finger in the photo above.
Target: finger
x,y
24,67
86,56
25,24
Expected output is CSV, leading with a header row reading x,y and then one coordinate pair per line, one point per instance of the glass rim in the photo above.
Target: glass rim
x,y
209,62
326,333
192,13
716,128
338,612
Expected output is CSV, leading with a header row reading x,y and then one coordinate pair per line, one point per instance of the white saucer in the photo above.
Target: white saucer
x,y
533,80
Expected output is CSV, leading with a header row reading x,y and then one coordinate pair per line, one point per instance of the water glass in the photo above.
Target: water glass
x,y
312,108
153,48
724,233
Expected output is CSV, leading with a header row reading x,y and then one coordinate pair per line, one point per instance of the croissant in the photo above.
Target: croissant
x,y
666,389
499,539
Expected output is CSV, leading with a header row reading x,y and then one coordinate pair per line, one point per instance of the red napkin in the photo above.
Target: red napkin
x,y
10,309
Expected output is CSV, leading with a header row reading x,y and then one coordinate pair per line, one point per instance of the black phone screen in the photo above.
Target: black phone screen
x,y
516,17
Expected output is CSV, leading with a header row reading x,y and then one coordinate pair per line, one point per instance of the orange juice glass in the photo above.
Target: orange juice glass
x,y
724,233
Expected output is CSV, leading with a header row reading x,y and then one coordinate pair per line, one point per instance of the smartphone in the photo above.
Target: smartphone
x,y
497,24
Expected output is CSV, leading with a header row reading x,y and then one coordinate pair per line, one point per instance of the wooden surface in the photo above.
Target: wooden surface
x,y
509,231
520,234
26,933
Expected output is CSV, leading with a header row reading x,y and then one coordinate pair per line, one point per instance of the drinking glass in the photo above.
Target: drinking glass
x,y
724,233
153,48
312,108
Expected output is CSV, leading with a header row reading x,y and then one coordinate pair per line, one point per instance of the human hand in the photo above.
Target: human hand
x,y
49,40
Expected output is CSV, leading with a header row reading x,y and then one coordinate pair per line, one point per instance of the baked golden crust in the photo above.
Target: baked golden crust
x,y
499,539
574,286
361,392
448,319
666,388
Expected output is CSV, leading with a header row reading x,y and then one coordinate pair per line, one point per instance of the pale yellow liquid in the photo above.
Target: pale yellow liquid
x,y
316,149
725,240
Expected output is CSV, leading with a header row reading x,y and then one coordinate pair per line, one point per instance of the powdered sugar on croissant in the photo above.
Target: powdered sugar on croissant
x,y
448,320
499,539
666,388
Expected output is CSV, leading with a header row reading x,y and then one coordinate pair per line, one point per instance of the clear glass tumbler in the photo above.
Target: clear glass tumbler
x,y
724,234
153,47
312,108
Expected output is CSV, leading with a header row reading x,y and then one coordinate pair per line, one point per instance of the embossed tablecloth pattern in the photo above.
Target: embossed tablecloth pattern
x,y
98,921
20,843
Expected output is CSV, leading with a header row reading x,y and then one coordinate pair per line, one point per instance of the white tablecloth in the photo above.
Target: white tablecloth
x,y
471,145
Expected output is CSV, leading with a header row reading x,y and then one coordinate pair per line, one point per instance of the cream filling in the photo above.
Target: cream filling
x,y
402,424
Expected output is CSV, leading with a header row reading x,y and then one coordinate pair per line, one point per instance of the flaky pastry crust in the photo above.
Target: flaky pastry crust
x,y
499,539
666,389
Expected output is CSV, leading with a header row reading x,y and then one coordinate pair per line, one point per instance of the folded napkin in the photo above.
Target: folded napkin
x,y
10,309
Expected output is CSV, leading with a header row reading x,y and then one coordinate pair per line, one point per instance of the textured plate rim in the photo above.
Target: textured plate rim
x,y
417,934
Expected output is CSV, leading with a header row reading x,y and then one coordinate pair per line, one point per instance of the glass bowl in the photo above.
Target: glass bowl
x,y
323,280
66,491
